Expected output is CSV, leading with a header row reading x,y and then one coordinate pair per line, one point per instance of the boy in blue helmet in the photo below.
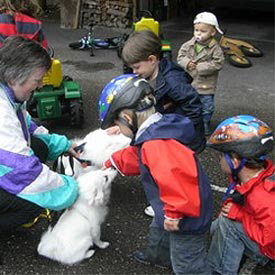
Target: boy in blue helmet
x,y
172,177
246,223
172,90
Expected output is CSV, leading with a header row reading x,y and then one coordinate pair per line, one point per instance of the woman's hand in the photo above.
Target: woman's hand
x,y
171,225
72,152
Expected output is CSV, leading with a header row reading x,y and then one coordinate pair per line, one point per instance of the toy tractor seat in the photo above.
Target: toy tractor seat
x,y
147,24
58,96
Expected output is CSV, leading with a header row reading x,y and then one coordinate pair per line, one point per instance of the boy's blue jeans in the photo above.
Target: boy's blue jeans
x,y
188,253
229,243
207,102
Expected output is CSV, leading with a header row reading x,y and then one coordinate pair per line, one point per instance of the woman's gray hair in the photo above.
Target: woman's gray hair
x,y
19,57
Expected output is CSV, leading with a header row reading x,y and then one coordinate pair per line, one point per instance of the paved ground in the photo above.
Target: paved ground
x,y
249,91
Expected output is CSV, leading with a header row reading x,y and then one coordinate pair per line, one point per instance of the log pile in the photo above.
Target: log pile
x,y
107,13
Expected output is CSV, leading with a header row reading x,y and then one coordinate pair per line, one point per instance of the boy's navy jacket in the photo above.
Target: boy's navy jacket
x,y
172,177
174,90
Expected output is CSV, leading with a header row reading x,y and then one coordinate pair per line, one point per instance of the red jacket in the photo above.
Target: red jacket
x,y
257,215
22,25
179,188
172,177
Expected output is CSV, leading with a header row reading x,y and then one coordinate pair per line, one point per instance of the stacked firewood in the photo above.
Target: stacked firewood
x,y
117,14
107,13
90,13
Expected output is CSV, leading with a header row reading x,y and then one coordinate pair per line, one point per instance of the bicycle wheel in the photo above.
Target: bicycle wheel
x,y
239,61
251,51
76,45
114,42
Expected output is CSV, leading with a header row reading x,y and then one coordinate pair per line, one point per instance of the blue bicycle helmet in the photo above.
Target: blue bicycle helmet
x,y
124,91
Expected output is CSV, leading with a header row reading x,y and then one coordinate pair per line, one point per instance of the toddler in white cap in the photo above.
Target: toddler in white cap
x,y
203,58
208,18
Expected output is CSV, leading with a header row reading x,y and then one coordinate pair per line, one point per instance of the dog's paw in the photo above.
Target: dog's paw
x,y
90,253
102,244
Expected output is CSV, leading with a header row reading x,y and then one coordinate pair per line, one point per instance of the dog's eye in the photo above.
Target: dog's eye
x,y
106,178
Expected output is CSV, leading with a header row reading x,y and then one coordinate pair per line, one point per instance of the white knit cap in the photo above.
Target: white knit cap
x,y
208,18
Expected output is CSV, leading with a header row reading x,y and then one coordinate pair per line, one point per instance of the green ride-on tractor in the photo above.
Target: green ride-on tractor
x,y
59,96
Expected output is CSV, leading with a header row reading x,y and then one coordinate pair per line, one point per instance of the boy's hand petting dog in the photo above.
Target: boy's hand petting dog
x,y
171,224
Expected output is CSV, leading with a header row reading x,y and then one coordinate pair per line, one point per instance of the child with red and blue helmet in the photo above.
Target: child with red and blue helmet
x,y
246,223
172,177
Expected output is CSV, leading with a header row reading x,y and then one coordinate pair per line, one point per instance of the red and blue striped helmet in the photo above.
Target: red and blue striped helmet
x,y
245,135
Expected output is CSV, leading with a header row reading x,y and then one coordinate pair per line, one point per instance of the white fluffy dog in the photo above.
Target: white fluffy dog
x,y
78,229
71,240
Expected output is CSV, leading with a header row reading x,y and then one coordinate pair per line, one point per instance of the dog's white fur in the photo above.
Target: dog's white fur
x,y
78,229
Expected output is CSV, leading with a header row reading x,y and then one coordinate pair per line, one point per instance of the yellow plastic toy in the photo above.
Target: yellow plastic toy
x,y
147,24
54,75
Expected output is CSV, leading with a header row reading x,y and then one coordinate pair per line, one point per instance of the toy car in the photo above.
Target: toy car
x,y
59,96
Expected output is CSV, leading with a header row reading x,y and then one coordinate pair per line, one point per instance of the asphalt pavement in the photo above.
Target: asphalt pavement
x,y
240,90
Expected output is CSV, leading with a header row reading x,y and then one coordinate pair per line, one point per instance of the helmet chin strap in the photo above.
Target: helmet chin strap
x,y
133,127
234,173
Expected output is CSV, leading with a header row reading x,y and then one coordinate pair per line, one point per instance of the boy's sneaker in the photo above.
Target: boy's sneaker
x,y
143,257
248,267
270,265
149,211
